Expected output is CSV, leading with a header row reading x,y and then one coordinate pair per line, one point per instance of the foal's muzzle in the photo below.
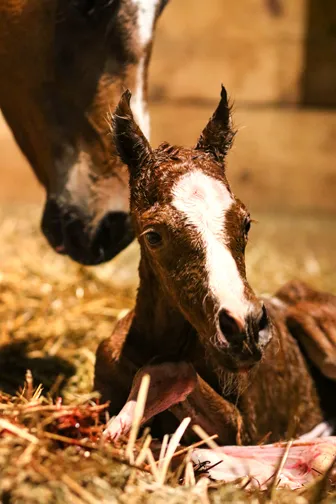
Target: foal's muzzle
x,y
245,340
68,232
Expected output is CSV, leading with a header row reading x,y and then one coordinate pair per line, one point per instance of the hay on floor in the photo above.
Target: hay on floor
x,y
53,314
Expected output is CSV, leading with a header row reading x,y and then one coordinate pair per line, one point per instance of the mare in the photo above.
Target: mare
x,y
239,366
64,64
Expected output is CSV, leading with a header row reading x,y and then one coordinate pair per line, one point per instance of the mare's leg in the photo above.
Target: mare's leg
x,y
177,387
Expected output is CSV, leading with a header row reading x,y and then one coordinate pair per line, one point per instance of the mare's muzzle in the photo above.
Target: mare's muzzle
x,y
69,232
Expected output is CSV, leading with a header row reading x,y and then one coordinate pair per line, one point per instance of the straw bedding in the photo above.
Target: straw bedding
x,y
53,313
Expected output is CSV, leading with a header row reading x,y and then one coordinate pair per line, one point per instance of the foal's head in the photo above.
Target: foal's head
x,y
193,233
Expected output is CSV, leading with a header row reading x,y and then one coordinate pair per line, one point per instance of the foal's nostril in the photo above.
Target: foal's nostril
x,y
263,328
230,327
263,321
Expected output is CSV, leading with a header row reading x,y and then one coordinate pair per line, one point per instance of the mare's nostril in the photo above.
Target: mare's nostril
x,y
68,231
51,225
114,233
112,225
230,328
75,236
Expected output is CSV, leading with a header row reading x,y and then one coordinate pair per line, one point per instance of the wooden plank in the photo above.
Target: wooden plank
x,y
257,54
282,160
198,20
254,72
319,77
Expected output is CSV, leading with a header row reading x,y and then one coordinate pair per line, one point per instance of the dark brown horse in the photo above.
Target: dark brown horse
x,y
240,367
64,64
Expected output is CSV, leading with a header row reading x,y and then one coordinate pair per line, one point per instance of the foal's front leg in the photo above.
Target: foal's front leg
x,y
170,383
213,413
175,386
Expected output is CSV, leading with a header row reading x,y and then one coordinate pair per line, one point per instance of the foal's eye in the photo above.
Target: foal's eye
x,y
153,238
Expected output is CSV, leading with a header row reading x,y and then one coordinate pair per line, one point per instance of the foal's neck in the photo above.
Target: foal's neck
x,y
163,328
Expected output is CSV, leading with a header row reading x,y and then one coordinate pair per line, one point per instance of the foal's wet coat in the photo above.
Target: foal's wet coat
x,y
197,321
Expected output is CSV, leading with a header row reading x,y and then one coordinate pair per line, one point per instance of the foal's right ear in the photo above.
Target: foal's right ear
x,y
132,145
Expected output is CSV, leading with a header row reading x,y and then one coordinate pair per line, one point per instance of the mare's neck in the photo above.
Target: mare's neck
x,y
163,328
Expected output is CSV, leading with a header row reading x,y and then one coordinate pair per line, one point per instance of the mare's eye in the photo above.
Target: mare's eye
x,y
153,238
247,226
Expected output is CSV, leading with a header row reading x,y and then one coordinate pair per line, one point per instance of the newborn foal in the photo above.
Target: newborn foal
x,y
198,328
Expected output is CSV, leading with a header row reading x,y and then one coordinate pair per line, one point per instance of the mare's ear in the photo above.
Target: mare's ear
x,y
132,145
217,136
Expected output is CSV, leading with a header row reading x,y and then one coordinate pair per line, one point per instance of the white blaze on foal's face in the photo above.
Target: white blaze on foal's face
x,y
204,201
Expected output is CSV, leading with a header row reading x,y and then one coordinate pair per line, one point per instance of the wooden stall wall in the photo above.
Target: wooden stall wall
x,y
277,59
269,55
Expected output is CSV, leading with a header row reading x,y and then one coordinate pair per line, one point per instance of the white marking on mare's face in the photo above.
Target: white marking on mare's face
x,y
78,180
138,105
146,15
204,201
146,10
93,199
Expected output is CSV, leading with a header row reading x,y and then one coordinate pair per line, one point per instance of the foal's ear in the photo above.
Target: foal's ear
x,y
132,145
217,136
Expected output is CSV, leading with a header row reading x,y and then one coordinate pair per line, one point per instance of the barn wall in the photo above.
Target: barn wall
x,y
277,59
256,51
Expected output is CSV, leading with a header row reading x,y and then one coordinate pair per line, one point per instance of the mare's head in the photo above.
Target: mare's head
x,y
193,232
64,64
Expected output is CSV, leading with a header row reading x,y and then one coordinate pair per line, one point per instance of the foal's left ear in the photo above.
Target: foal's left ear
x,y
217,136
132,145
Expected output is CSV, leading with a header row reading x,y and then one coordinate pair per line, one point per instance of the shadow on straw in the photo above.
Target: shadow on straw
x,y
14,362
